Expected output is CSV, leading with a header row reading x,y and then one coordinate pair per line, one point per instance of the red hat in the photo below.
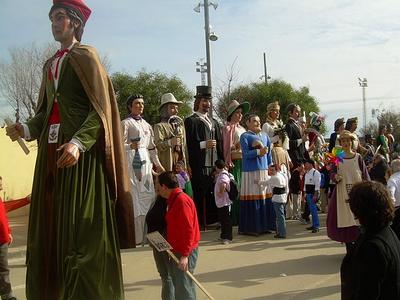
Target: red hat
x,y
77,6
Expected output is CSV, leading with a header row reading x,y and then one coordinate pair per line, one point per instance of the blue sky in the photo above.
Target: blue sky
x,y
324,45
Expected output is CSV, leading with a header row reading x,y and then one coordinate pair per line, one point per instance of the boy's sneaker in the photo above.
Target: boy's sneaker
x,y
226,242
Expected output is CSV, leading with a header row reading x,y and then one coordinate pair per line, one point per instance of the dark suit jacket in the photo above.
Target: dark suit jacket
x,y
296,153
372,269
197,131
332,141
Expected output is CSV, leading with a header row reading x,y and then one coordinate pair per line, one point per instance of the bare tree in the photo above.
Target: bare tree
x,y
223,92
20,79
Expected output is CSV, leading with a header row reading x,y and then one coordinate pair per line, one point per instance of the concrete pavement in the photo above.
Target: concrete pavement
x,y
303,266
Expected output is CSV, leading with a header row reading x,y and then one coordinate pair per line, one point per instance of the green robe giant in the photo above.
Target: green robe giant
x,y
73,246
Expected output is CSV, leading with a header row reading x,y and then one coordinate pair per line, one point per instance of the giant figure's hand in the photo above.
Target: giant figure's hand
x,y
211,144
69,155
263,151
15,131
176,141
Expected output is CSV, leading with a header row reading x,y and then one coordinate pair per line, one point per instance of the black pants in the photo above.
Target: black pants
x,y
203,197
224,217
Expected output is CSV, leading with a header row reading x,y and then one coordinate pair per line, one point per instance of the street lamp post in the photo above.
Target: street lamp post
x,y
363,84
208,36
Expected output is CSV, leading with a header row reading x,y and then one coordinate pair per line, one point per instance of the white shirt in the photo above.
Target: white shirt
x,y
312,177
207,121
393,186
279,180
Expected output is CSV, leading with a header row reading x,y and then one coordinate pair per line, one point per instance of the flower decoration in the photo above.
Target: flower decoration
x,y
316,120
336,156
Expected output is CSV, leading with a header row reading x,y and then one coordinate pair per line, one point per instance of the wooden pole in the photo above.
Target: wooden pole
x,y
172,255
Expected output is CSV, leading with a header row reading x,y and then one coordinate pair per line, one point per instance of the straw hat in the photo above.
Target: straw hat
x,y
168,98
234,105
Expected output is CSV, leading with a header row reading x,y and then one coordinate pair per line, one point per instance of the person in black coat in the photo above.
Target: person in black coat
x,y
297,149
204,142
339,127
372,269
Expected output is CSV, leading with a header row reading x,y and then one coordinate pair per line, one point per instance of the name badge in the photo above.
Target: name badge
x,y
53,133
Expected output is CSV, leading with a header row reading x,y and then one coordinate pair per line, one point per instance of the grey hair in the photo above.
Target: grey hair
x,y
395,165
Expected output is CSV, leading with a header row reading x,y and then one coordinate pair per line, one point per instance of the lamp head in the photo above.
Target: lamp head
x,y
197,8
214,4
213,36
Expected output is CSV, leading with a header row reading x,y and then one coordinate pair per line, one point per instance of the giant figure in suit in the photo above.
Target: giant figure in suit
x,y
297,138
204,142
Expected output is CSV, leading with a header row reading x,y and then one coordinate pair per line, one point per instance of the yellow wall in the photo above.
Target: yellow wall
x,y
16,168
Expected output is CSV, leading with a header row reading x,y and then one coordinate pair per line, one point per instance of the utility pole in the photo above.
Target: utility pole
x,y
265,69
363,84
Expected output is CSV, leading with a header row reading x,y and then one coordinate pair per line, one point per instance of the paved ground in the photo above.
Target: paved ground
x,y
304,266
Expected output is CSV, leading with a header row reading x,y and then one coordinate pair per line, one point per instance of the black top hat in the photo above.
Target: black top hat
x,y
203,91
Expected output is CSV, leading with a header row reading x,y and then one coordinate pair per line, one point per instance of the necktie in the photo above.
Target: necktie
x,y
59,54
137,163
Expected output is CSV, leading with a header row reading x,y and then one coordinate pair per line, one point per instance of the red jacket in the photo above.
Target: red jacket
x,y
182,225
4,227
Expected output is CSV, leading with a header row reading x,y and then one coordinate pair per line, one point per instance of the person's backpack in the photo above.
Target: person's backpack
x,y
233,192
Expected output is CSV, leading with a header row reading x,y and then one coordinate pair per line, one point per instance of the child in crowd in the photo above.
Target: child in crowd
x,y
293,209
5,241
312,183
183,178
222,201
278,181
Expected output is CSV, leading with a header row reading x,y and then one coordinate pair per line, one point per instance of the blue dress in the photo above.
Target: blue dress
x,y
256,210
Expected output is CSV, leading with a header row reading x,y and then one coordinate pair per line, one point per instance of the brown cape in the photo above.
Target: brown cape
x,y
98,87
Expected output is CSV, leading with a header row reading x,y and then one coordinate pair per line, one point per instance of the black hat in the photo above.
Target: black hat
x,y
203,91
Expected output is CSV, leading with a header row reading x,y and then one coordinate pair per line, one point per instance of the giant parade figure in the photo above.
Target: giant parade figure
x,y
204,141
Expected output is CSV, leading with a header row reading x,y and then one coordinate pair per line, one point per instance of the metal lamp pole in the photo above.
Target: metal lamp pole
x,y
207,36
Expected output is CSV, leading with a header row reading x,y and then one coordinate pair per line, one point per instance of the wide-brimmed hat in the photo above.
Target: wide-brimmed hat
x,y
346,134
168,98
234,105
203,91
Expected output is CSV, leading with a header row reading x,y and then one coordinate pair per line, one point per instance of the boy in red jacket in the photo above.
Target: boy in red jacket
x,y
5,241
183,234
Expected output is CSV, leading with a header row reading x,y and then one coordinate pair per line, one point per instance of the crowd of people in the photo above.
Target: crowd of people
x,y
101,184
